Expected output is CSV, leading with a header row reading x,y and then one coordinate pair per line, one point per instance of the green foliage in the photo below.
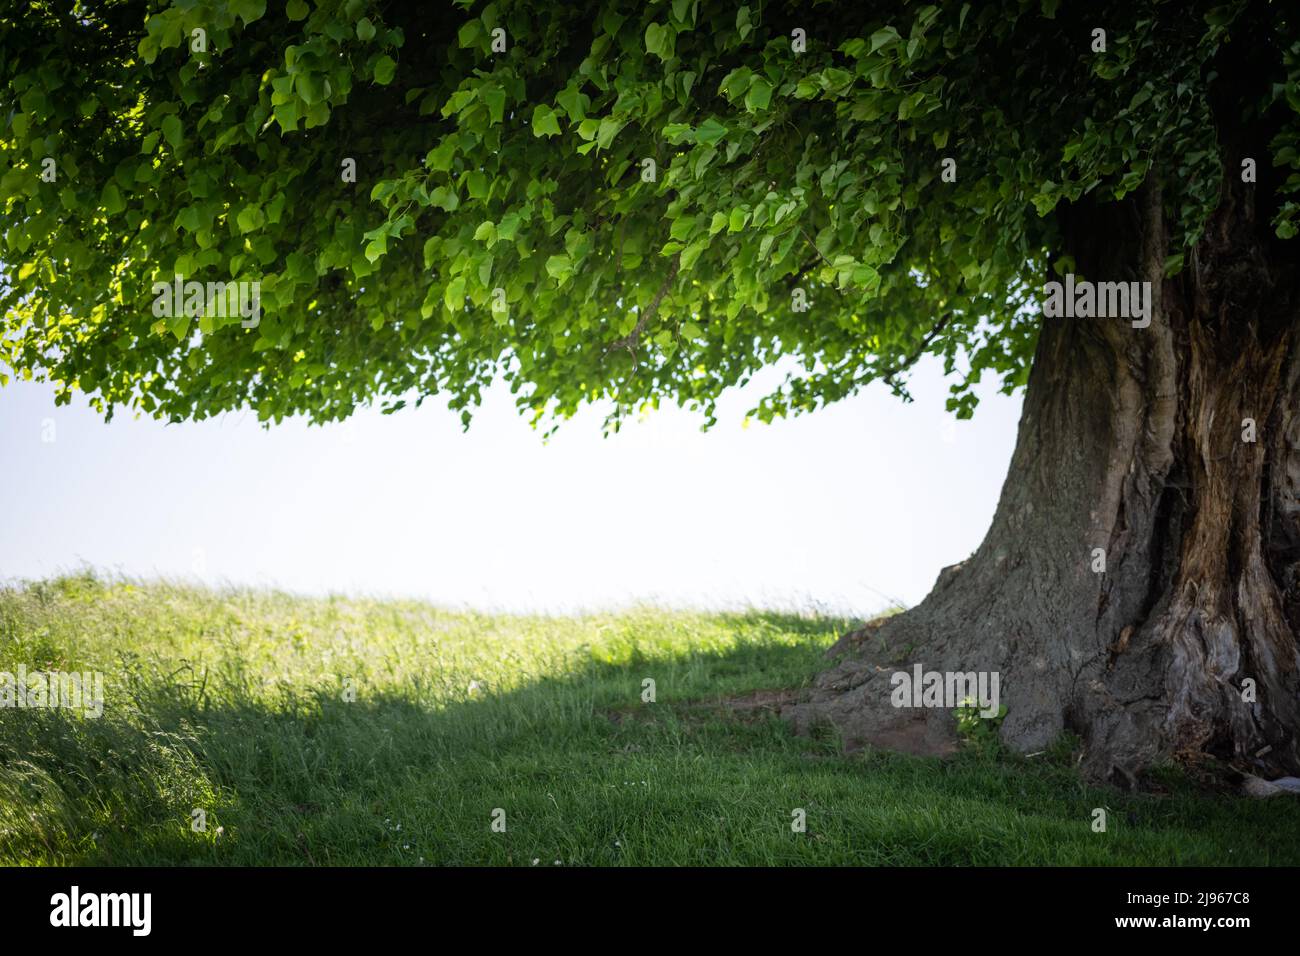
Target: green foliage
x,y
501,221
979,732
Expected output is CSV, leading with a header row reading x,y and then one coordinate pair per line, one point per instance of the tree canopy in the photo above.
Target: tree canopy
x,y
597,200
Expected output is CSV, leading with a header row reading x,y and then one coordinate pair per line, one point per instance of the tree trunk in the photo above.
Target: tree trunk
x,y
1135,441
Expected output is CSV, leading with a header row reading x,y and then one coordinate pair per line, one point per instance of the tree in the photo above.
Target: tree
x,y
644,202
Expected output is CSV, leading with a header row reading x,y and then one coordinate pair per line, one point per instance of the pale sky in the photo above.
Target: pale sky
x,y
846,509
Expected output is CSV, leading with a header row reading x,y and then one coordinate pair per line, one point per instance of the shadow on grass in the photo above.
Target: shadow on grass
x,y
83,790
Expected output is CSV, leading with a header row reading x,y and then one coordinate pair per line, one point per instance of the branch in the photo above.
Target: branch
x,y
889,373
633,338
814,246
795,278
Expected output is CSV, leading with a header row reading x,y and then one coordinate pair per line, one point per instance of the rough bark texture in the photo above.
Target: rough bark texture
x,y
1131,440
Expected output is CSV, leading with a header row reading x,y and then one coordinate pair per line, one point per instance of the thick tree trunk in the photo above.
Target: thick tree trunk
x,y
1132,440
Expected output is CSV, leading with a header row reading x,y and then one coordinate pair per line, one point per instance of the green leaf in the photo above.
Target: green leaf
x,y
477,184
385,68
311,87
247,10
759,95
683,227
559,267
148,49
454,295
365,30
574,103
469,33
250,218
440,156
710,132
111,200
611,21
171,128
865,275
287,115
508,226
296,10
275,209
609,128
1107,69
692,252
189,219
495,98
909,104
744,24
883,38
544,121
1221,16
735,83
659,40
445,198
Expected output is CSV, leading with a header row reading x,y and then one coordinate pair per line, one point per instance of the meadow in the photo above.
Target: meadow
x,y
331,731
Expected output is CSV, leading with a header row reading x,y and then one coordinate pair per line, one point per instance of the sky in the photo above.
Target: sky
x,y
847,510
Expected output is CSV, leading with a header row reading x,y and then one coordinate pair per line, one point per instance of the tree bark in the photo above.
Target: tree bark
x,y
1132,440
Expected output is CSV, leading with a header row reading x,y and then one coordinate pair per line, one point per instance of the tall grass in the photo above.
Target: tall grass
x,y
347,731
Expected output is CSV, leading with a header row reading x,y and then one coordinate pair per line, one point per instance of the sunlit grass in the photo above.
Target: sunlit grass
x,y
240,704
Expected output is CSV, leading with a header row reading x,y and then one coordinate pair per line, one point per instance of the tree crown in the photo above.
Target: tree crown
x,y
597,200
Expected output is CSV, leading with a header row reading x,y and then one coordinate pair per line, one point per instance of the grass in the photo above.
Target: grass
x,y
234,703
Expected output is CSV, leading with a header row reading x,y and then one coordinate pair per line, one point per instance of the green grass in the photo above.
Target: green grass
x,y
233,702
